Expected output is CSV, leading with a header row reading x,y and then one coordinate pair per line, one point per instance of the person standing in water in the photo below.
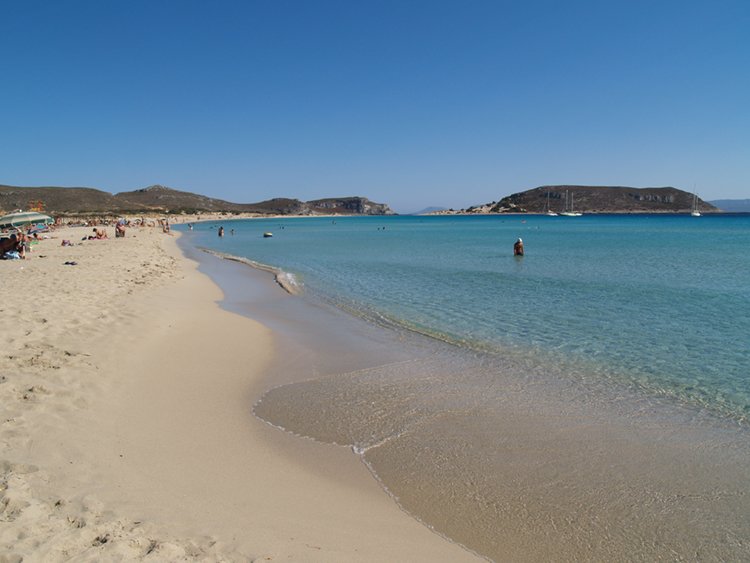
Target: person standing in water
x,y
221,231
518,248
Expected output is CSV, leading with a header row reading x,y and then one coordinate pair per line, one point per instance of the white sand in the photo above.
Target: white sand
x,y
126,430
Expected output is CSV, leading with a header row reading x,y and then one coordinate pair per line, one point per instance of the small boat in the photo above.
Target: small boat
x,y
695,212
267,235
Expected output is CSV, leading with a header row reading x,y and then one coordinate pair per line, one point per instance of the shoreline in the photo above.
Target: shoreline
x,y
587,477
128,429
285,280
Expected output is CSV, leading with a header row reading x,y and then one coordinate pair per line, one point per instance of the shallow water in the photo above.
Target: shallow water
x,y
492,454
659,301
591,402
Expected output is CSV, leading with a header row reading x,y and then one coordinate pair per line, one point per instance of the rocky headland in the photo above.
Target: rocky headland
x,y
592,199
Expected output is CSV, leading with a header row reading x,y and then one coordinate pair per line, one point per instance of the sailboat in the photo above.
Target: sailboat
x,y
549,212
569,211
695,212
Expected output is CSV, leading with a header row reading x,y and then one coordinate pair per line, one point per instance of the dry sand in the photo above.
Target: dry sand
x,y
126,430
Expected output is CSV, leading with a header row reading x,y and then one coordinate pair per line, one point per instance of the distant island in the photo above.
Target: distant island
x,y
592,199
428,211
732,205
163,200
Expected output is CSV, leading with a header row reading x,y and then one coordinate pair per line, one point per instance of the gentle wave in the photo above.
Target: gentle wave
x,y
286,280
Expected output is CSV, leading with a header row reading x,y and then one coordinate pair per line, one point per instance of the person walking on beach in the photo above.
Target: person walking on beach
x,y
518,248
221,231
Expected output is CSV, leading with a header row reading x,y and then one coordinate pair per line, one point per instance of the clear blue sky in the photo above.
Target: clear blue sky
x,y
411,103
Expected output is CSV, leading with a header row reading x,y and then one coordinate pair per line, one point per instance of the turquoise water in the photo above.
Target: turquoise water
x,y
657,302
587,402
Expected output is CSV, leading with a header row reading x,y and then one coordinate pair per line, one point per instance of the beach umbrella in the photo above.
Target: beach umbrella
x,y
25,218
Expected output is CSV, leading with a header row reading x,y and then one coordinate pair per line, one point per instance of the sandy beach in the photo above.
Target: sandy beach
x,y
127,430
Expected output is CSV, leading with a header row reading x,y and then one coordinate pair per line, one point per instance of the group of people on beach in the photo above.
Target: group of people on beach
x,y
15,243
14,246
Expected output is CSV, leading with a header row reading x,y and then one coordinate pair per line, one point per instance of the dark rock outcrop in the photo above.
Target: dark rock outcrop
x,y
348,205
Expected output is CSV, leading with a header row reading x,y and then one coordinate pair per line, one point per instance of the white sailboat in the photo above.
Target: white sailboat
x,y
695,212
569,212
